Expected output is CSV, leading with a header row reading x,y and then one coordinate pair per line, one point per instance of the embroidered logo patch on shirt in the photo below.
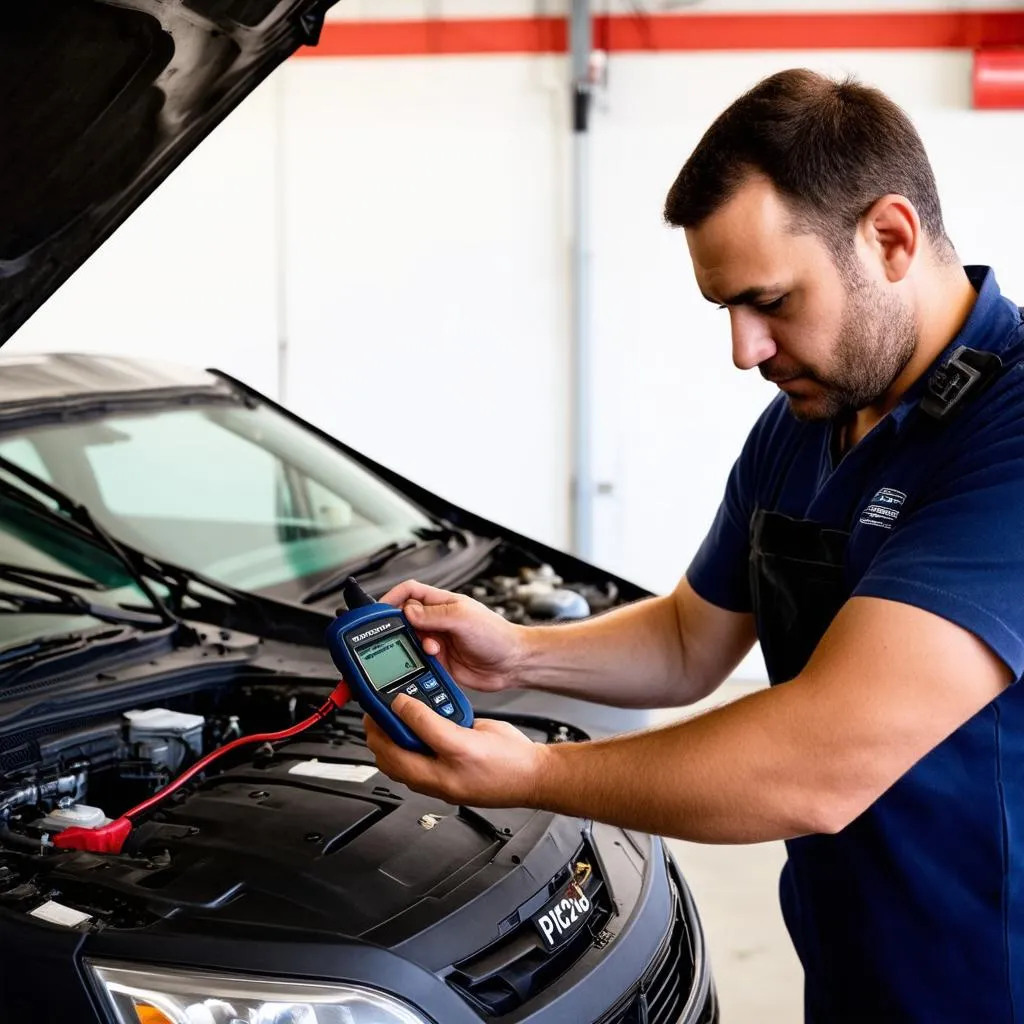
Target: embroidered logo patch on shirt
x,y
884,509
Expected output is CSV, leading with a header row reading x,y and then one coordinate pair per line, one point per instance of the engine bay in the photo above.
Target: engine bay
x,y
528,591
300,831
304,831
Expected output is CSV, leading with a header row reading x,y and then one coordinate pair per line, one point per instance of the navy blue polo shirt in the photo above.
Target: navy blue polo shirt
x,y
914,912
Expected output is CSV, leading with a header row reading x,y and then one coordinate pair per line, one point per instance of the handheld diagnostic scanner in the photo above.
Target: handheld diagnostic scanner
x,y
380,656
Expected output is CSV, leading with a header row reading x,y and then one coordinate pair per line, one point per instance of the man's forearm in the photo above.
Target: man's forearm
x,y
741,773
808,756
631,657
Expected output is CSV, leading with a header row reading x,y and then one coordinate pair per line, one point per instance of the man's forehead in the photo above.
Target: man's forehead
x,y
748,243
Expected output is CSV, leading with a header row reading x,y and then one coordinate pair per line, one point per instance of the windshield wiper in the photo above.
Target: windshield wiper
x,y
70,603
32,657
45,644
378,560
232,608
19,573
79,516
375,561
63,600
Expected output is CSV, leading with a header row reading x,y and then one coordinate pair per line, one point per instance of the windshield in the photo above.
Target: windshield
x,y
240,494
46,558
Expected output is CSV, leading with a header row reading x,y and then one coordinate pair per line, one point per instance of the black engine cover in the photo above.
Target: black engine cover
x,y
262,848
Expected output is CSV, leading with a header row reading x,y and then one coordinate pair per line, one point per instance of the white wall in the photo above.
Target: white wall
x,y
425,211
427,304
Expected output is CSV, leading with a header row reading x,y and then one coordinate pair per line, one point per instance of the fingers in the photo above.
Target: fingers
x,y
441,735
394,761
413,590
431,618
426,608
491,765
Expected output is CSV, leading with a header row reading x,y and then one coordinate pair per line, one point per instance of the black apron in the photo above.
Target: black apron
x,y
798,584
797,566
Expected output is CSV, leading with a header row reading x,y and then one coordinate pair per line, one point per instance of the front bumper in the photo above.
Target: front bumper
x,y
647,965
663,995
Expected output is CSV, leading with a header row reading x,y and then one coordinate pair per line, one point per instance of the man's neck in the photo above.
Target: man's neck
x,y
943,302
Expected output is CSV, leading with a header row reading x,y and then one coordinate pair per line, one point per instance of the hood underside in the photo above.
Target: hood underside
x,y
101,100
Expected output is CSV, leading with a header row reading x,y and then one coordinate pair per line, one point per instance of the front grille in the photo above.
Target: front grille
x,y
503,975
663,990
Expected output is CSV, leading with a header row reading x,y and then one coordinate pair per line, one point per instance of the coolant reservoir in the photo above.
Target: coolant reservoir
x,y
76,816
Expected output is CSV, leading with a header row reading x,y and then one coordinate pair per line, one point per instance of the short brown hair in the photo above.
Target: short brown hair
x,y
830,148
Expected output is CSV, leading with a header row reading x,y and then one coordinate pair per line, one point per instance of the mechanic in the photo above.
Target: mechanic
x,y
870,538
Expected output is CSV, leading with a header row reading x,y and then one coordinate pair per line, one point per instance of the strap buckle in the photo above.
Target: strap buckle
x,y
956,378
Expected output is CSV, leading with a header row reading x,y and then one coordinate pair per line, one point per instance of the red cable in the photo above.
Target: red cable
x,y
110,838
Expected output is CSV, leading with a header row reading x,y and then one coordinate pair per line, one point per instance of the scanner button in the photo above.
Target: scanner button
x,y
429,683
440,698
448,709
412,689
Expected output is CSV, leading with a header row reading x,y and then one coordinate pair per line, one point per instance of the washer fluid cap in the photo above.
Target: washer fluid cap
x,y
77,816
161,720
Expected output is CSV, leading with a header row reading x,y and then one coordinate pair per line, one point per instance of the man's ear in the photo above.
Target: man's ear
x,y
890,231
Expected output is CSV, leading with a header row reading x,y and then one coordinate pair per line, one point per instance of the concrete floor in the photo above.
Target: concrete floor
x,y
757,973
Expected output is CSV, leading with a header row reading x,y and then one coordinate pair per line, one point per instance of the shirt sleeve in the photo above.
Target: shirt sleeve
x,y
719,572
960,552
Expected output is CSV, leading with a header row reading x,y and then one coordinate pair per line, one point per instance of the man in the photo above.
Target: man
x,y
871,539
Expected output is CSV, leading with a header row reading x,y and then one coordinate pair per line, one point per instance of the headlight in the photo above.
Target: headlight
x,y
142,996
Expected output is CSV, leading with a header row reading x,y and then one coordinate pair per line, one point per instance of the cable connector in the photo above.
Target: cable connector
x,y
340,695
105,839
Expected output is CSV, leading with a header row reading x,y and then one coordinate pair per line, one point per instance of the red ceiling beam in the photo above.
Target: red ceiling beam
x,y
913,30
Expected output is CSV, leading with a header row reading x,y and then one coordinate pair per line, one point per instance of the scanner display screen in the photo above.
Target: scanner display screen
x,y
388,660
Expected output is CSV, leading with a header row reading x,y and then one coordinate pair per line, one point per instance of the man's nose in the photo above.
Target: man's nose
x,y
752,341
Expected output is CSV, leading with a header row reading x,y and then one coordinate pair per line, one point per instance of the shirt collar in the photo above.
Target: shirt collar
x,y
991,326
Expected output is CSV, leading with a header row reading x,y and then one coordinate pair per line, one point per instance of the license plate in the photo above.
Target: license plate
x,y
563,916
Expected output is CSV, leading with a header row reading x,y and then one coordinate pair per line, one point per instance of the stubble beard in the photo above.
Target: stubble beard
x,y
877,338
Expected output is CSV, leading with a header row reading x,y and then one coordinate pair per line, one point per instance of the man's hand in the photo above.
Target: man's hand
x,y
491,765
477,647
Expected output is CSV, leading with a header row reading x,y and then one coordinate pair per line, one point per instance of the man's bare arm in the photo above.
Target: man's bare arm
x,y
659,652
886,685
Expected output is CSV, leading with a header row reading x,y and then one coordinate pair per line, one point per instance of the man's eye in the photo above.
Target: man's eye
x,y
771,307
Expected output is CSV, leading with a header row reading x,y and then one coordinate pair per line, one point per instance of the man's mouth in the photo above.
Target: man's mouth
x,y
778,375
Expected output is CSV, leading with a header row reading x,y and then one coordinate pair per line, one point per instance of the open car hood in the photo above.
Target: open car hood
x,y
101,100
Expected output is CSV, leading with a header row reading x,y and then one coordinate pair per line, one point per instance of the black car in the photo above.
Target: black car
x,y
173,548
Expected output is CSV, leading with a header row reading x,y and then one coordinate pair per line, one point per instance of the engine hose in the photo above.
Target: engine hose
x,y
65,785
9,838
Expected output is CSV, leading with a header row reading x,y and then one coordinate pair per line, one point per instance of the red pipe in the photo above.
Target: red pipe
x,y
675,33
111,838
998,79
